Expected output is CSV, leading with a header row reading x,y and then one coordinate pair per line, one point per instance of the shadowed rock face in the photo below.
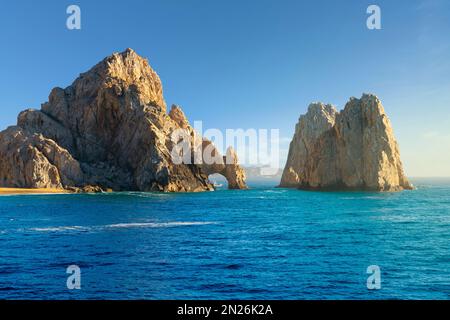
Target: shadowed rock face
x,y
354,149
109,128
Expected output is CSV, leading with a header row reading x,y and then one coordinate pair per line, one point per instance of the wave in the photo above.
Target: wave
x,y
121,226
400,219
142,194
380,196
56,229
277,191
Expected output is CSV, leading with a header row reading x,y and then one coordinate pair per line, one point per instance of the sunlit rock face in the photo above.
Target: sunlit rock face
x,y
353,149
110,128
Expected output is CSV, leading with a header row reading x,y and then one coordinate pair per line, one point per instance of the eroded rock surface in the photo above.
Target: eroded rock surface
x,y
352,149
109,129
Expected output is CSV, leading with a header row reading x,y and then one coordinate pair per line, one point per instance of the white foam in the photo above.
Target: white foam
x,y
156,225
121,225
63,228
145,194
275,191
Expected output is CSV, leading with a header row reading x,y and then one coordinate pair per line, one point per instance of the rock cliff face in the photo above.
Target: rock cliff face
x,y
352,149
109,129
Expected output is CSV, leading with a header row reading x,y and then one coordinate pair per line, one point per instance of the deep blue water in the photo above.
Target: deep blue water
x,y
264,243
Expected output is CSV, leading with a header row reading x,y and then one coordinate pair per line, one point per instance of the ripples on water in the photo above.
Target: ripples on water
x,y
264,243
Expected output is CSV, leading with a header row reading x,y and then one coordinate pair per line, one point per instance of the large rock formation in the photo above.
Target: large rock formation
x,y
110,129
352,149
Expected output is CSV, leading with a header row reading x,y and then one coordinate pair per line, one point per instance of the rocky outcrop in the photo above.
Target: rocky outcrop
x,y
30,160
228,166
353,149
109,129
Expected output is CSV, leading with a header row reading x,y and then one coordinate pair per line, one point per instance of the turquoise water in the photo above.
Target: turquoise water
x,y
263,243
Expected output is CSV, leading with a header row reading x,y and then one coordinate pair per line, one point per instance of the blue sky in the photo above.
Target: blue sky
x,y
248,63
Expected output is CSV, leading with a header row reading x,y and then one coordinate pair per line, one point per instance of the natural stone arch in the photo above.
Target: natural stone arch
x,y
109,130
217,180
227,166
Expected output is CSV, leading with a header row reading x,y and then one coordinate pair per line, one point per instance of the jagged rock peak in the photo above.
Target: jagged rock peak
x,y
352,149
109,129
327,110
319,118
177,115
124,71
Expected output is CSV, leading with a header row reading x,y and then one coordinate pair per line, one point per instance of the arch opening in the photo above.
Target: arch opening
x,y
218,180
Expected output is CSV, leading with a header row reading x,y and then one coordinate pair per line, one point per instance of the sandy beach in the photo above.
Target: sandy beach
x,y
10,191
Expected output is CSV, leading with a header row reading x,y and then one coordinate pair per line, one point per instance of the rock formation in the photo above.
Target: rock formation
x,y
109,129
354,149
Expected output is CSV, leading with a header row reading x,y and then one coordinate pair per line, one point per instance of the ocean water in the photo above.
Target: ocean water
x,y
263,243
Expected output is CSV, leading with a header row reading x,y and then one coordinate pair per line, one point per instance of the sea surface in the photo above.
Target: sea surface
x,y
262,243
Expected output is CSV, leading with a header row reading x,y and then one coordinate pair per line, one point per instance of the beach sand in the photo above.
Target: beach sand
x,y
9,191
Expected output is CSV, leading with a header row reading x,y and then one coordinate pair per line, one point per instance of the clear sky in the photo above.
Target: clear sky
x,y
249,63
